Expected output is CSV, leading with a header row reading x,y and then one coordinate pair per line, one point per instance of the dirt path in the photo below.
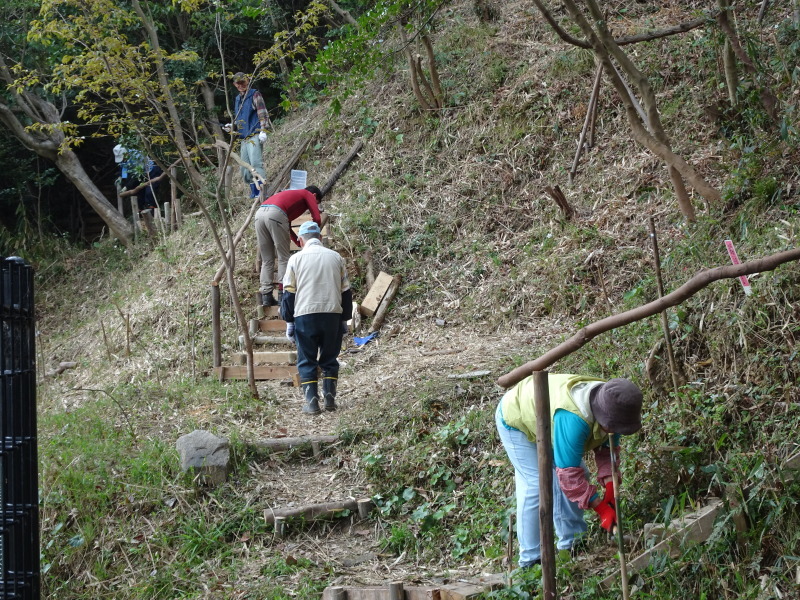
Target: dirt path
x,y
402,359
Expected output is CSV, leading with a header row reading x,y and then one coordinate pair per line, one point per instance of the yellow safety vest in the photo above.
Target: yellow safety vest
x,y
519,409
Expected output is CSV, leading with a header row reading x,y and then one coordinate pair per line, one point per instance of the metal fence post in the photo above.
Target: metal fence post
x,y
19,496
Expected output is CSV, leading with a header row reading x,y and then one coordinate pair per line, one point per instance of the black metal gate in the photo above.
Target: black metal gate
x,y
19,496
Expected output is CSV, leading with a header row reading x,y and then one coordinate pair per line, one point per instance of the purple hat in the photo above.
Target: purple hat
x,y
617,406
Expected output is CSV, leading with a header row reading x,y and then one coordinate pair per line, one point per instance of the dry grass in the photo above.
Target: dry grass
x,y
455,203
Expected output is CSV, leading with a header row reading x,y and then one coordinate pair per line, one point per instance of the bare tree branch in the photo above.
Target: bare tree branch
x,y
688,289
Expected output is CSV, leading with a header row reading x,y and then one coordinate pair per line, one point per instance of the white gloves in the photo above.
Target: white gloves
x,y
290,332
262,137
227,128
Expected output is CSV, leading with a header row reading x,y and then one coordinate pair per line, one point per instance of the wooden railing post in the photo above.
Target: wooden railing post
x,y
544,448
216,333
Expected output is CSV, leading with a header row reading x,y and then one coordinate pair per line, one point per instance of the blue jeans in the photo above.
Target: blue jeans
x,y
251,153
567,517
319,340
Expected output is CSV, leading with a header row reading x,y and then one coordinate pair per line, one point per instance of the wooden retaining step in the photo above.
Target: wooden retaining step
x,y
693,528
262,373
399,591
268,358
287,443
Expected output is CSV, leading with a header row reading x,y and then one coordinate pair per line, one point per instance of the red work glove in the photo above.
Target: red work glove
x,y
607,514
608,498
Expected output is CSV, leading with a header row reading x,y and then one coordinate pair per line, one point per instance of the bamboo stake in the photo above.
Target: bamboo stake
x,y
587,121
590,140
127,320
105,337
664,323
544,449
623,566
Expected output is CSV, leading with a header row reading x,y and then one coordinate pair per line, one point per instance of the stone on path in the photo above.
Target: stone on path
x,y
207,453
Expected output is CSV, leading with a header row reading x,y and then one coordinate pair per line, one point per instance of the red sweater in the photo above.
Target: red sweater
x,y
294,203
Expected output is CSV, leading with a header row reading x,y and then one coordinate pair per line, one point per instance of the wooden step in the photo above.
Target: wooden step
x,y
262,373
269,358
267,325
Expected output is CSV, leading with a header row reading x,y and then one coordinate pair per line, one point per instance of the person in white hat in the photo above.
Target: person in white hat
x,y
584,412
317,303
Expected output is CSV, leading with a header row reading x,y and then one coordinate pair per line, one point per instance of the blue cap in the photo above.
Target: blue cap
x,y
308,227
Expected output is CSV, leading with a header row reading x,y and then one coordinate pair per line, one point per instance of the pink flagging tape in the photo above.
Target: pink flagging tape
x,y
735,260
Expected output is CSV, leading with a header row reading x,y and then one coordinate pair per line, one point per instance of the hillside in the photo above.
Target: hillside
x,y
493,276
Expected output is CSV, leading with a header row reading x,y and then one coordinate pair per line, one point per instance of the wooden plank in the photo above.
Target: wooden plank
x,y
383,307
280,444
271,325
270,358
380,593
306,217
461,591
694,528
278,340
262,373
376,293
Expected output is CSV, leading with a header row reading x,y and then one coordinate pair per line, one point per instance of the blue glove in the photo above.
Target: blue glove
x,y
345,328
290,332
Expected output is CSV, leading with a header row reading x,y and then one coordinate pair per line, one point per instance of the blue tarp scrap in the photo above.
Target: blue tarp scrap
x,y
362,341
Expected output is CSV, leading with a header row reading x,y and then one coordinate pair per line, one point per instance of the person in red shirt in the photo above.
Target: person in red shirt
x,y
274,232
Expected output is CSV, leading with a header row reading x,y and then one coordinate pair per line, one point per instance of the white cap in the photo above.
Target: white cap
x,y
119,153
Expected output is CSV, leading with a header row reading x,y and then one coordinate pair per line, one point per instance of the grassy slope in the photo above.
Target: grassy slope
x,y
454,203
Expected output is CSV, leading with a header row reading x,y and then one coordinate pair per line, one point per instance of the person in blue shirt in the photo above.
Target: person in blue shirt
x,y
251,121
584,411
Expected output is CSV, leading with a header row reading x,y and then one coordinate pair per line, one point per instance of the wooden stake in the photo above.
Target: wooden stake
x,y
178,213
664,322
561,201
148,222
190,333
396,591
544,448
510,545
216,332
364,507
280,527
137,225
336,593
168,216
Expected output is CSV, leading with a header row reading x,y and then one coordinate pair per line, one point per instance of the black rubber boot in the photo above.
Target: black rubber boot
x,y
329,391
311,406
267,299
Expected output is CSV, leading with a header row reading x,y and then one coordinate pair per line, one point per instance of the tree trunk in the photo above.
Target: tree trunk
x,y
48,142
67,162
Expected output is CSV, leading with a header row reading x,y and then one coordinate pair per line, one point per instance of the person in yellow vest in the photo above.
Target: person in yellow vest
x,y
584,411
